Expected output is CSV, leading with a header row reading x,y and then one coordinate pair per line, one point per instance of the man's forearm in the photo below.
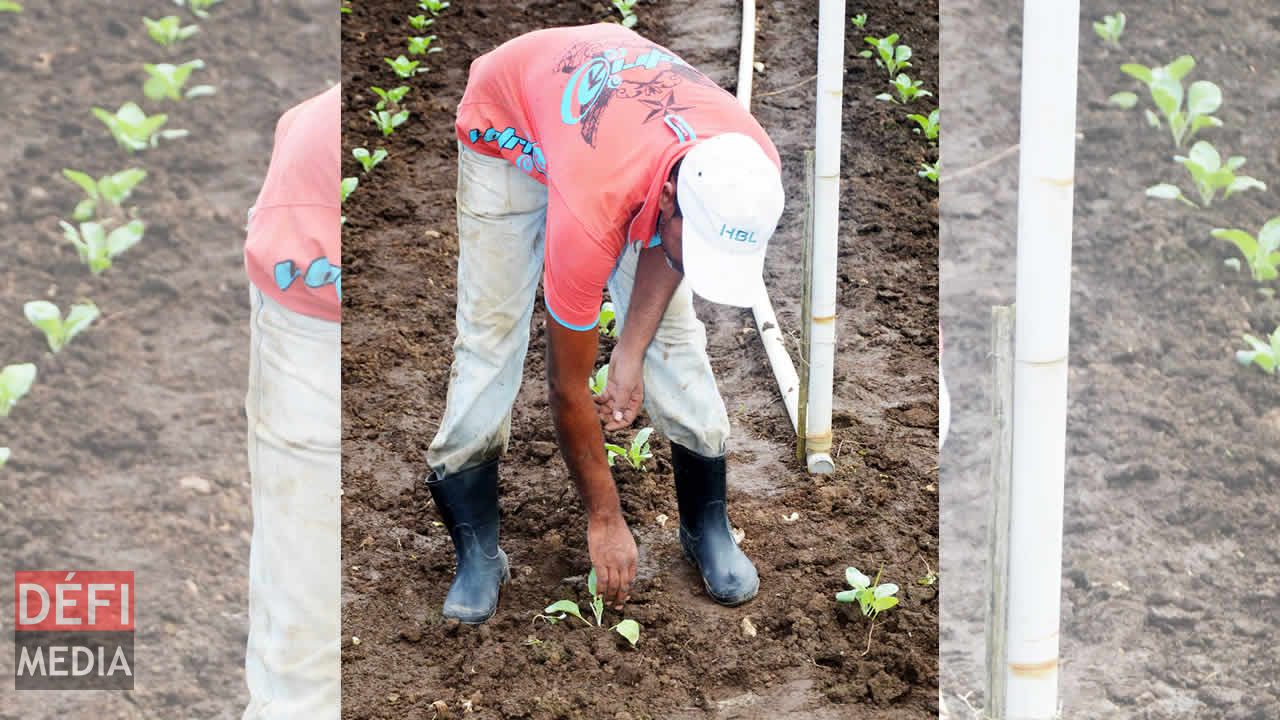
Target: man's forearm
x,y
655,283
582,445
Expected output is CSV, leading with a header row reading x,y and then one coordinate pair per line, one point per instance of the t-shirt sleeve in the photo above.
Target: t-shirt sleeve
x,y
576,268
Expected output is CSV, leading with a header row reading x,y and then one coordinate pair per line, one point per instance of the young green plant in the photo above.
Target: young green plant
x,y
1210,175
435,7
422,45
169,30
1262,254
906,88
599,379
199,8
929,171
106,195
133,129
390,97
420,22
859,21
1186,112
1265,353
59,331
98,248
872,597
387,121
559,610
608,322
636,454
367,159
165,81
626,8
928,125
891,56
404,67
15,381
1110,28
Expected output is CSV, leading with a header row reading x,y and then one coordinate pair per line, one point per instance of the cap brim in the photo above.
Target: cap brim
x,y
736,280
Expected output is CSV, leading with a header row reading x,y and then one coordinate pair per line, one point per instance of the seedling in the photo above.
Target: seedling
x,y
929,171
199,8
169,30
15,381
133,129
404,67
1265,353
346,7
165,81
4,456
1110,28
908,90
859,21
892,56
608,322
422,45
9,6
388,122
557,611
369,160
1210,175
929,126
96,247
435,7
599,380
58,331
106,195
1203,98
349,185
636,453
1261,253
625,8
872,597
390,97
420,22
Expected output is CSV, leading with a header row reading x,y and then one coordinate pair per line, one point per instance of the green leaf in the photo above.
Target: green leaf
x,y
641,438
597,608
1244,241
629,629
886,590
1124,100
565,606
1203,98
124,237
15,382
1140,72
10,6
1164,191
883,603
1244,182
855,578
847,596
48,319
4,456
79,318
86,183
1179,68
591,582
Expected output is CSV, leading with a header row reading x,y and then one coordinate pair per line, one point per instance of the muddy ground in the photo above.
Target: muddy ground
x,y
1171,560
129,452
693,660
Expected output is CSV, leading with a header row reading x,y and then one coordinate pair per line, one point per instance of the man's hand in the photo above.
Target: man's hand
x,y
613,555
623,394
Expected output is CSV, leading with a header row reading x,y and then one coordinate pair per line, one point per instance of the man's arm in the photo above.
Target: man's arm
x,y
654,285
570,355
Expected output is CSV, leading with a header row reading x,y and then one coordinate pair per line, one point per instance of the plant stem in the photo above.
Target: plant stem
x,y
869,631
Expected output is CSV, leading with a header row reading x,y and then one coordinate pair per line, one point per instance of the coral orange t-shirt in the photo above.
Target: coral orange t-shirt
x,y
293,252
599,115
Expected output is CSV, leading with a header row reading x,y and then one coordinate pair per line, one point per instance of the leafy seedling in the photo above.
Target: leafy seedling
x,y
1264,353
404,67
106,195
1261,253
608,322
908,90
559,610
387,121
98,248
872,597
892,56
1110,28
626,8
422,45
15,381
420,22
390,97
1185,119
929,171
599,380
859,21
635,454
435,7
597,600
349,185
169,30
369,160
166,81
929,126
199,8
10,6
1210,176
58,331
133,129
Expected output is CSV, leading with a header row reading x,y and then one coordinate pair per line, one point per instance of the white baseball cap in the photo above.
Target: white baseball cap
x,y
730,195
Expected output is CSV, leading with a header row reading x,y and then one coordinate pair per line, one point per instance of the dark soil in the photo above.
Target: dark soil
x,y
153,392
1171,559
693,659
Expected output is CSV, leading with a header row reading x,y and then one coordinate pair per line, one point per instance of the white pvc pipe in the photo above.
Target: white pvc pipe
x,y
826,231
1045,185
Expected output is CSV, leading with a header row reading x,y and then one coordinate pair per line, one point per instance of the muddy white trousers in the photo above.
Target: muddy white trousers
x,y
293,662
502,216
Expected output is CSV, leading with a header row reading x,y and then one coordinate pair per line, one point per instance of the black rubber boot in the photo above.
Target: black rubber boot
x,y
705,534
468,504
